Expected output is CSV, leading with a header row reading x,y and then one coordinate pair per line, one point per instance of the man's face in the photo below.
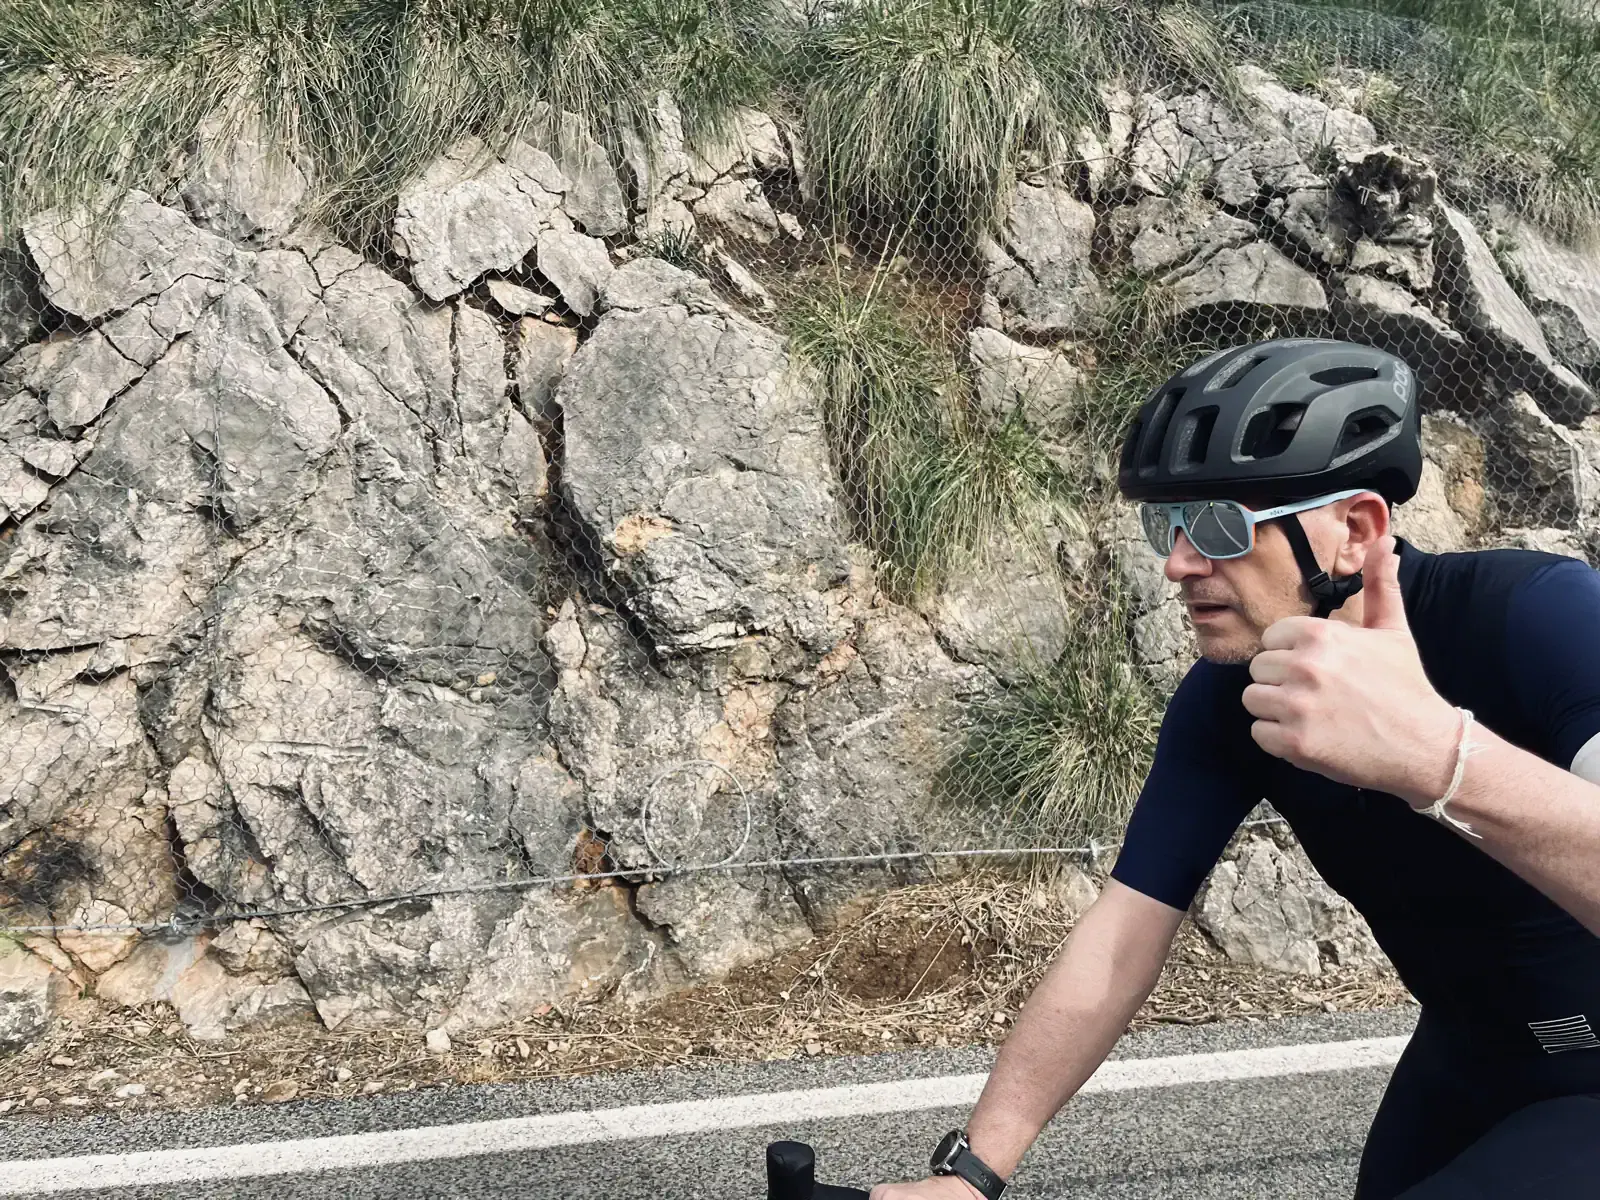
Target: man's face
x,y
1232,601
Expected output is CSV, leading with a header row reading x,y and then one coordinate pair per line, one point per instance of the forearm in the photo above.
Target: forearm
x,y
1064,1031
1539,820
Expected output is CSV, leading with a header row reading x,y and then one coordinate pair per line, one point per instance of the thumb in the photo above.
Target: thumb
x,y
1382,606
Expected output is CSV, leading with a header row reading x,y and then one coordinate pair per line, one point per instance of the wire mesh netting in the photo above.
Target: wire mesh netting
x,y
502,500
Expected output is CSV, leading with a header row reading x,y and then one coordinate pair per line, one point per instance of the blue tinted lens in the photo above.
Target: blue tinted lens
x,y
1217,528
1157,528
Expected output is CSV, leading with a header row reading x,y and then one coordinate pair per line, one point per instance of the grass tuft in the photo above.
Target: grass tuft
x,y
1063,753
1504,94
928,485
97,96
923,109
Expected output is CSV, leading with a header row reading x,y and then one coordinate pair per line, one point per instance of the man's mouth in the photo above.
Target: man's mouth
x,y
1200,610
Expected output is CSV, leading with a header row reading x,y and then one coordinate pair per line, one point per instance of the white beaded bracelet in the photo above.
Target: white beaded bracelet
x,y
1464,750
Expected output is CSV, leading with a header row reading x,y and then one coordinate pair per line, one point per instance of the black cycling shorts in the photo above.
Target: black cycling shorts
x,y
1464,1119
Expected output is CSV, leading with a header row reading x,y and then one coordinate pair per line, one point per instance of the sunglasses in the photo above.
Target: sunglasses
x,y
1217,528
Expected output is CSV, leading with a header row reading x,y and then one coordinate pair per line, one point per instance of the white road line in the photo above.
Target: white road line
x,y
784,1110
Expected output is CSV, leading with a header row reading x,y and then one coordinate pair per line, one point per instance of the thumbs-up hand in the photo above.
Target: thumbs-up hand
x,y
1353,702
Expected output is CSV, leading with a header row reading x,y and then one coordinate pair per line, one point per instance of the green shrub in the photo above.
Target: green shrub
x,y
928,485
1062,754
923,108
1504,94
365,92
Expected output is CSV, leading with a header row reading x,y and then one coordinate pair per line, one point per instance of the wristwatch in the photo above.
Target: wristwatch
x,y
954,1156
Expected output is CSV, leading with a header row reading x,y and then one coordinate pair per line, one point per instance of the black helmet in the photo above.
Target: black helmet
x,y
1292,418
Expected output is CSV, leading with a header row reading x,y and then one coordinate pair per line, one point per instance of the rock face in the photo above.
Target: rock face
x,y
728,532
295,619
1042,275
1562,286
347,599
26,1002
1265,905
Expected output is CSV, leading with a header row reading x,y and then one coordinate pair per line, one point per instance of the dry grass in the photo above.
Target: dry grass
x,y
946,963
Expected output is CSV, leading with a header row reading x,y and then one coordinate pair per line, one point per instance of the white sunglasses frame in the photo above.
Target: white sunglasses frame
x,y
1176,521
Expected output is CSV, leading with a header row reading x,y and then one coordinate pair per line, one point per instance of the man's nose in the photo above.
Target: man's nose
x,y
1185,562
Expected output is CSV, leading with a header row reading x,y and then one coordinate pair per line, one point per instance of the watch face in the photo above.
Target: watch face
x,y
946,1150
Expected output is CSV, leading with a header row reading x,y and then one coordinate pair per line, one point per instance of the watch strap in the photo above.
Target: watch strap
x,y
973,1169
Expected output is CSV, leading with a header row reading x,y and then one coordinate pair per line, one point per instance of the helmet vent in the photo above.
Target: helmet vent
x,y
1194,435
1156,432
1235,371
1271,430
1363,427
1334,376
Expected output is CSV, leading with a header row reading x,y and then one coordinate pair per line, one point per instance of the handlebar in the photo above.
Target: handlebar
x,y
791,1175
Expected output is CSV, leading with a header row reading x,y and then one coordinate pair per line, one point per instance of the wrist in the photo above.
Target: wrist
x,y
1433,761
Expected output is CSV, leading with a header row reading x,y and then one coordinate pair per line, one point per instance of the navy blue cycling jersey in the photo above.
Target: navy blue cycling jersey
x,y
1514,636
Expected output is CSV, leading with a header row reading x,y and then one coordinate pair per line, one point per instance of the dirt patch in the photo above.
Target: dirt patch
x,y
946,963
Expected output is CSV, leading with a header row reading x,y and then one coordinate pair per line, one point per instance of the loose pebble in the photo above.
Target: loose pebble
x,y
129,1090
343,1074
438,1041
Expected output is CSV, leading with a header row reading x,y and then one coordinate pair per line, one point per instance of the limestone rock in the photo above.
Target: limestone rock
x,y
474,961
712,927
51,457
577,265
542,354
1266,906
1164,644
860,753
469,213
1165,234
741,207
698,461
1550,541
146,249
516,300
1159,154
149,974
1381,313
1426,520
20,491
78,776
1043,384
662,186
594,198
1306,121
1519,356
27,1000
1010,612
1540,468
746,284
76,376
1459,454
1562,286
240,185
19,306
1240,279
1042,276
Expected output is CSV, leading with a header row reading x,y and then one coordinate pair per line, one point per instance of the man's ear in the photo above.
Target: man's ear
x,y
1366,520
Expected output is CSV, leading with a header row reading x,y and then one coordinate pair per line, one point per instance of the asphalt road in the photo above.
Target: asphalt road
x,y
1289,1137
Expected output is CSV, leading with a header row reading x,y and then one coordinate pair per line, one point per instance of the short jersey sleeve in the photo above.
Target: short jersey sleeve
x,y
1553,656
1203,782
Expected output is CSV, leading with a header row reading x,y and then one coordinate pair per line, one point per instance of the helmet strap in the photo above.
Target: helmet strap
x,y
1327,593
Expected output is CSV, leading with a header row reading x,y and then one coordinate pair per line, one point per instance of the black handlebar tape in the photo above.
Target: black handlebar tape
x,y
791,1175
791,1171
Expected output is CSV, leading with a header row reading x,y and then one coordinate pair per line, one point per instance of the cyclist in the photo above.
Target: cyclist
x,y
1433,738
